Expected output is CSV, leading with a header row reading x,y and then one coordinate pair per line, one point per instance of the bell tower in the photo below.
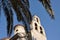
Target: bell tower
x,y
38,32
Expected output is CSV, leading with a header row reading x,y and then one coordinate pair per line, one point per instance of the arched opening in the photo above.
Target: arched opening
x,y
36,26
41,30
16,30
37,19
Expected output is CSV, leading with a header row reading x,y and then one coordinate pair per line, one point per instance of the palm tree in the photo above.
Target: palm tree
x,y
21,7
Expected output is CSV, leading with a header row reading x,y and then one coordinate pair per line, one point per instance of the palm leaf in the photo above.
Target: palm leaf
x,y
25,10
46,4
26,2
19,3
9,17
18,13
0,7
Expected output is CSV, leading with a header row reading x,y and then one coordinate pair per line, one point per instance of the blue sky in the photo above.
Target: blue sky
x,y
52,27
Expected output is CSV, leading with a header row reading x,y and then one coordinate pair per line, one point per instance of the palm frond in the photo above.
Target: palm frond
x,y
18,13
25,10
9,17
46,4
26,2
0,11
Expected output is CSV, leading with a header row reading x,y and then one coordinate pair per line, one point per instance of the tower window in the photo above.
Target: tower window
x,y
37,19
16,30
36,26
40,28
41,32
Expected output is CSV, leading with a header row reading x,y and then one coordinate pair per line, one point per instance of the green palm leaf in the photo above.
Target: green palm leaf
x,y
25,10
9,17
47,6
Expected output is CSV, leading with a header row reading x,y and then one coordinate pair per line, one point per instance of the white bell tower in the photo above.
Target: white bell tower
x,y
38,32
